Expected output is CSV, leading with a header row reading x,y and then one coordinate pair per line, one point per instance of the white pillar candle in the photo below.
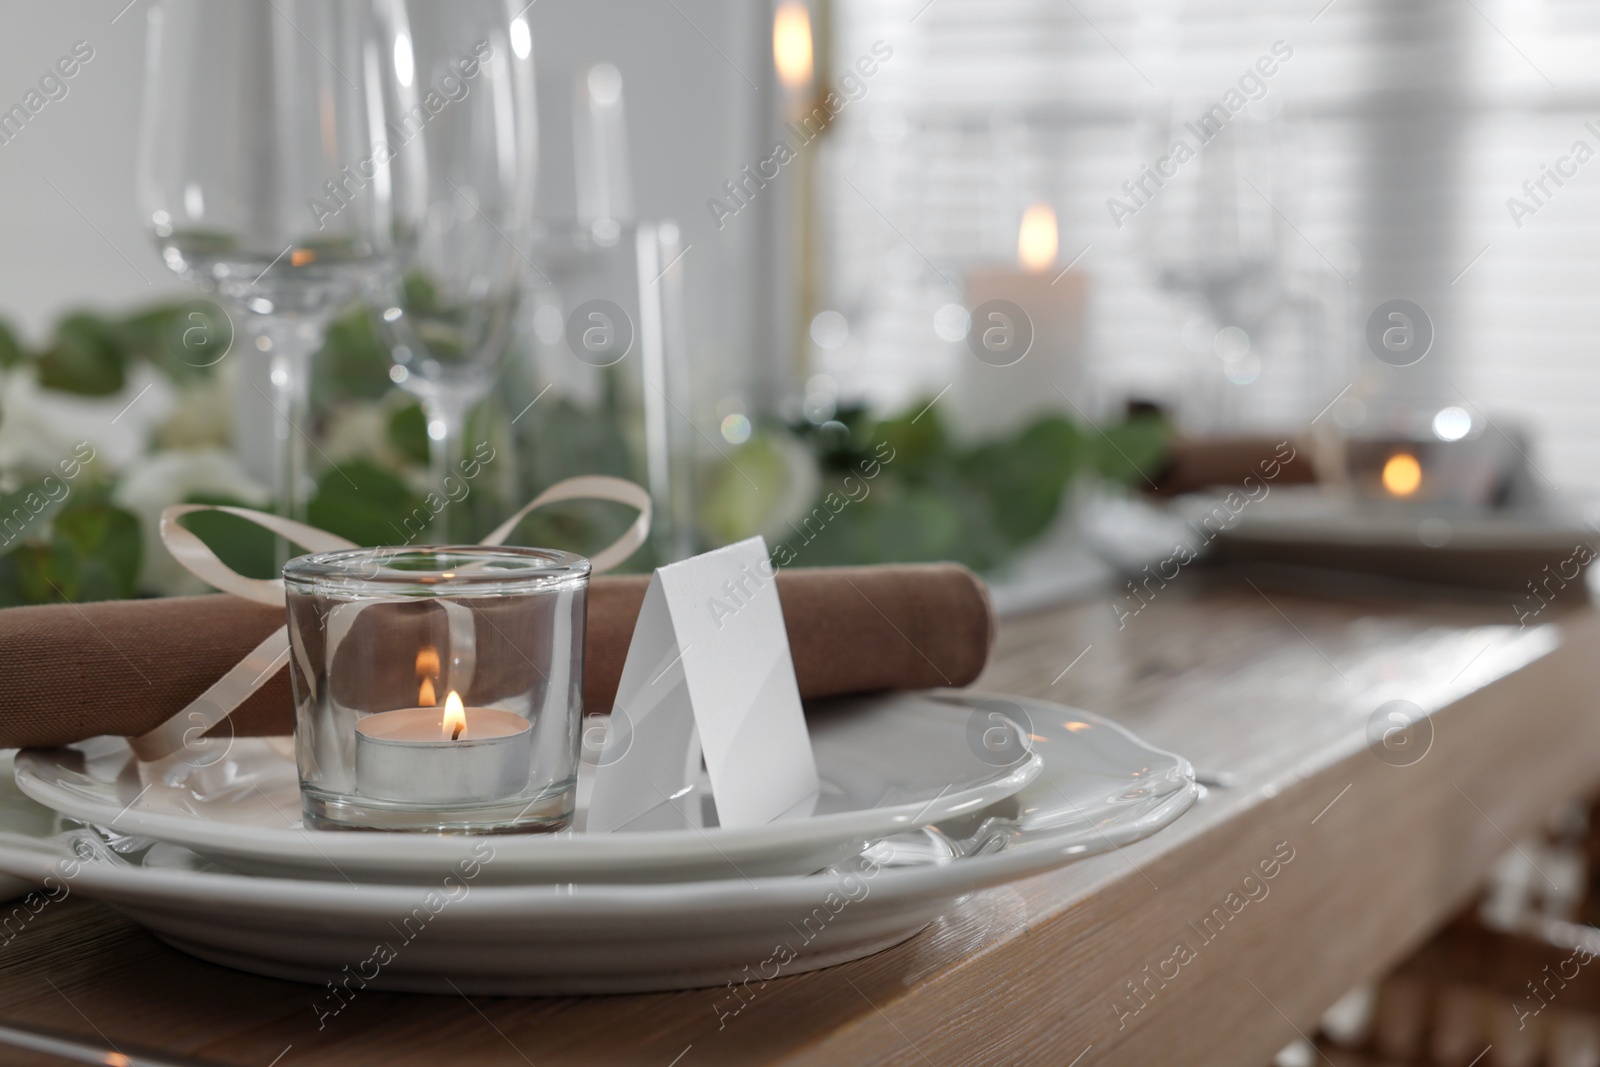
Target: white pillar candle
x,y
453,755
1004,389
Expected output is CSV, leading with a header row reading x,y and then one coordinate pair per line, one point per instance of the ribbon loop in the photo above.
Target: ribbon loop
x,y
196,557
591,487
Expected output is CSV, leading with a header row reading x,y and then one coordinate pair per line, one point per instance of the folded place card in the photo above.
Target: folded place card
x,y
708,674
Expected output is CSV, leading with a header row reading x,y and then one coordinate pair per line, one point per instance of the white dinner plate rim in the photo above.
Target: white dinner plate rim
x,y
568,850
34,858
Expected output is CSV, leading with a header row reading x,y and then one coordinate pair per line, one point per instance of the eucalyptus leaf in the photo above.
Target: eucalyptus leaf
x,y
43,574
239,543
408,432
85,356
1131,452
105,544
919,441
186,341
937,499
353,362
364,503
11,350
92,553
25,513
1023,478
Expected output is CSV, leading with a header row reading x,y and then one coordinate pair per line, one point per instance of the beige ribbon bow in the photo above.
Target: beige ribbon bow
x,y
266,659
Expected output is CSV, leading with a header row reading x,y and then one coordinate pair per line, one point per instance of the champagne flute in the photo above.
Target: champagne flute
x,y
448,313
265,176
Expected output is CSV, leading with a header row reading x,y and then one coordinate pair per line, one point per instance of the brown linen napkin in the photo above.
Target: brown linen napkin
x,y
71,671
1205,462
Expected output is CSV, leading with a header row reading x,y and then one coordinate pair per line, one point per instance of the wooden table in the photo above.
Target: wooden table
x,y
1066,968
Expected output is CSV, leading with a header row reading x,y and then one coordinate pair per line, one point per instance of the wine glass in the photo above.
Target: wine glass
x,y
448,313
265,176
1214,239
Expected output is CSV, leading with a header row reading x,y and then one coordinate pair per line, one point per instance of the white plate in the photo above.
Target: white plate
x,y
1100,788
908,761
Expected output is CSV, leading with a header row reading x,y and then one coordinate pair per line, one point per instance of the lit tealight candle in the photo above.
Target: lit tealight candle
x,y
465,755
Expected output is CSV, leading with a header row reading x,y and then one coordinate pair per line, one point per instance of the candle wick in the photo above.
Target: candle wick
x,y
456,736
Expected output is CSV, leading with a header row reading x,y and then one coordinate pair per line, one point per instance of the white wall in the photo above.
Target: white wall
x,y
70,231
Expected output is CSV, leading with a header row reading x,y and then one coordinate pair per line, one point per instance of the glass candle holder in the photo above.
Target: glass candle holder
x,y
437,688
1441,457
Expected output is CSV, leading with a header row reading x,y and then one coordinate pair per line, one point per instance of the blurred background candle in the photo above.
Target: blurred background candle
x,y
1033,365
800,117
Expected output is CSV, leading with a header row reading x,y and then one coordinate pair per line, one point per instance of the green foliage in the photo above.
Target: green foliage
x,y
239,543
85,356
91,354
421,298
408,432
11,351
28,510
369,505
896,488
1022,478
353,363
902,490
103,544
1131,452
186,341
80,548
742,491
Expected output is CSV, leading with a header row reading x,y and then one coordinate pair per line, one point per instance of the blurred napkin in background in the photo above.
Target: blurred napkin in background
x,y
1435,501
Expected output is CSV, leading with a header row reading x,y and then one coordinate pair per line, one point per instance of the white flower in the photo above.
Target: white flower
x,y
202,416
164,478
360,430
38,426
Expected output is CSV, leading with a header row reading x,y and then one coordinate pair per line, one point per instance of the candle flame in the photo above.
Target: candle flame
x,y
791,45
1402,474
1037,238
455,717
427,670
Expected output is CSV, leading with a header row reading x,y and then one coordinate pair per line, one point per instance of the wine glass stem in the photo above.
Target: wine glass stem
x,y
290,344
447,416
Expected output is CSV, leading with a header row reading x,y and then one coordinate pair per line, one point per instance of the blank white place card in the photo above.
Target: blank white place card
x,y
708,672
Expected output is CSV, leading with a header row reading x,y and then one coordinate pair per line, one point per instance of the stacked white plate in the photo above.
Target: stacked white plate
x,y
927,797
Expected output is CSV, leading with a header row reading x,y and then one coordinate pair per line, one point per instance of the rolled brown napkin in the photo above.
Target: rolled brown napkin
x,y
72,671
1200,463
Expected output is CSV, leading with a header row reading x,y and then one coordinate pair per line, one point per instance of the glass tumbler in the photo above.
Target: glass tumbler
x,y
437,688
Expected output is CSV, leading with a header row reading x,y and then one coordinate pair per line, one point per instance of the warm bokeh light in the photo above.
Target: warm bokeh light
x,y
1402,474
426,697
455,717
791,45
1037,238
